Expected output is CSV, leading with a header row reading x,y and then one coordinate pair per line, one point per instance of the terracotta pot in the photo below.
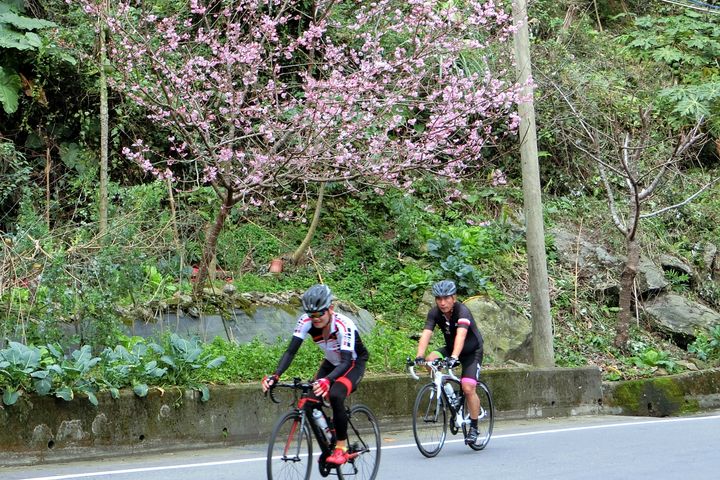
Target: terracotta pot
x,y
276,265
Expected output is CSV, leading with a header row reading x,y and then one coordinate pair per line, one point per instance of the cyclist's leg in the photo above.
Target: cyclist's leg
x,y
470,375
340,390
439,353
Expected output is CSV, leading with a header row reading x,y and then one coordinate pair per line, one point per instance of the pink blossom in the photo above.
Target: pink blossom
x,y
253,105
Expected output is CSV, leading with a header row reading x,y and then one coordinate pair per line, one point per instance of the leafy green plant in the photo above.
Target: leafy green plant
x,y
413,277
652,358
18,363
160,286
16,34
688,44
185,359
454,263
131,364
679,281
707,345
75,374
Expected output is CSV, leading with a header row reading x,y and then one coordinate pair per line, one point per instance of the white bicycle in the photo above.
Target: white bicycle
x,y
442,402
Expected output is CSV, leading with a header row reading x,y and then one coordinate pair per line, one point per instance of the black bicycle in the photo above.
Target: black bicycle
x,y
289,453
442,401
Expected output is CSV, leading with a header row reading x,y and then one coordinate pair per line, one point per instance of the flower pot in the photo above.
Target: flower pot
x,y
276,265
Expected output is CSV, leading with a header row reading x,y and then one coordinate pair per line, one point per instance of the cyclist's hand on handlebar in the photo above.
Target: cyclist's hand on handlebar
x,y
420,360
321,387
452,362
269,382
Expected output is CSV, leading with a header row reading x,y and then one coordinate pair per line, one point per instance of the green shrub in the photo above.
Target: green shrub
x,y
707,345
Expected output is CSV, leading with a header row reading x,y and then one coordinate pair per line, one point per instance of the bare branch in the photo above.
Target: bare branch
x,y
684,202
611,201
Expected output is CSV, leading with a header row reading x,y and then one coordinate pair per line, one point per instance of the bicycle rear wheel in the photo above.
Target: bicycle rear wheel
x,y
289,455
429,421
486,419
363,445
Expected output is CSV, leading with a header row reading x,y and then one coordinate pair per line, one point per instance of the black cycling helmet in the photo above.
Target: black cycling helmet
x,y
444,288
317,298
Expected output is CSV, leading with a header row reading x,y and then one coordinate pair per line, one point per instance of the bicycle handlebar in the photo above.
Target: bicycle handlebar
x,y
297,384
435,365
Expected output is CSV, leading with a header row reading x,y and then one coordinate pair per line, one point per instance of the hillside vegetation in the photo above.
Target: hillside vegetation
x,y
609,73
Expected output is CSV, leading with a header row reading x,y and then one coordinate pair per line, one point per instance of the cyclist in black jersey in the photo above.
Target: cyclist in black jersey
x,y
463,344
344,364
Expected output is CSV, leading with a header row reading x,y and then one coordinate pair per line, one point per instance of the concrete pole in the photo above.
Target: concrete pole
x,y
542,336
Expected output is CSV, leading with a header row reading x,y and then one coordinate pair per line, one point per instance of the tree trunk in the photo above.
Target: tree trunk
x,y
313,226
48,162
627,280
210,248
104,134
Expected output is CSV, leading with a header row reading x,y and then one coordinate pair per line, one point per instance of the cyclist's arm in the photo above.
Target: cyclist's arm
x,y
288,356
460,334
342,367
424,342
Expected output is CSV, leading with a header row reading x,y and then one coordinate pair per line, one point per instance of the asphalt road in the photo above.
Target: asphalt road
x,y
592,447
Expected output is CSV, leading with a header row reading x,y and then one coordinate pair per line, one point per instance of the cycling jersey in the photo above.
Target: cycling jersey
x,y
343,346
344,364
459,318
342,336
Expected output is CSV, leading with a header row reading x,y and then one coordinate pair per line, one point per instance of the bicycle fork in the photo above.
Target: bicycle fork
x,y
298,427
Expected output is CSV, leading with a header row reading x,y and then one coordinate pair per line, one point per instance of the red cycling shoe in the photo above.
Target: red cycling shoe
x,y
338,457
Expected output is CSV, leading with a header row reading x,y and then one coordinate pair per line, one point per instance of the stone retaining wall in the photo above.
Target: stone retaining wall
x,y
39,429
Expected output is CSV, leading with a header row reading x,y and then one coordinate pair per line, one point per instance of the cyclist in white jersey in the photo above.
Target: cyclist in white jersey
x,y
343,366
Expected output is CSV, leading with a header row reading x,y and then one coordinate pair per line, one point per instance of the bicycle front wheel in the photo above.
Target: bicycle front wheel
x,y
486,419
363,445
289,455
429,421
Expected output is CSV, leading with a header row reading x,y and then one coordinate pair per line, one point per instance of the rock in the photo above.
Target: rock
x,y
677,315
602,269
671,262
650,278
270,317
506,333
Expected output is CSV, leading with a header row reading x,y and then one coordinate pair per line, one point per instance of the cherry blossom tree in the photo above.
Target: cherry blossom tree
x,y
264,98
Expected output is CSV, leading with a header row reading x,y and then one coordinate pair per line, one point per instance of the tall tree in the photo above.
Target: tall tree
x,y
261,99
627,162
104,127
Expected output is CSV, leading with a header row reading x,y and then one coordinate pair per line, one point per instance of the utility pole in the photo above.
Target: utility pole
x,y
542,335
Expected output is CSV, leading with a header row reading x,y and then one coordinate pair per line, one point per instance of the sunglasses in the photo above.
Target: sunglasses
x,y
317,314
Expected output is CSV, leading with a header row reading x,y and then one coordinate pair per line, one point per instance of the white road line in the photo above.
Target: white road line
x,y
385,447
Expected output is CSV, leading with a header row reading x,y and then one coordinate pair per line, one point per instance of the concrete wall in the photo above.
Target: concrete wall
x,y
39,429
662,396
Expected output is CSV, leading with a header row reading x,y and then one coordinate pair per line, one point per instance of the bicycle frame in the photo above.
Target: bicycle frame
x,y
305,388
292,439
439,379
